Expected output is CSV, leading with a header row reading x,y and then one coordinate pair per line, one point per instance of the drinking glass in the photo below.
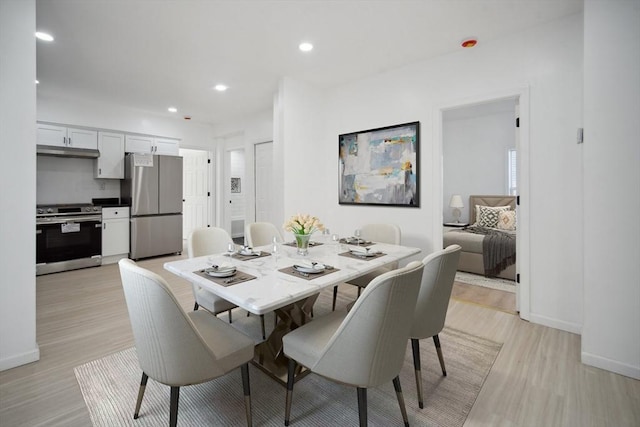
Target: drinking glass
x,y
336,241
231,248
357,234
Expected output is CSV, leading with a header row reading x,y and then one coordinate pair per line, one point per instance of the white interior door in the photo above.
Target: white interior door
x,y
197,194
263,155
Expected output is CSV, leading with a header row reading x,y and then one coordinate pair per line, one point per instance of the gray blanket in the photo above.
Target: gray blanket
x,y
498,249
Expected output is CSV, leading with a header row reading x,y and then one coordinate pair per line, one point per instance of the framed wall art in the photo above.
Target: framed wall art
x,y
380,166
235,185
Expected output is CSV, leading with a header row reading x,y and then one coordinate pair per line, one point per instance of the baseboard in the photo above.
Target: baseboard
x,y
574,328
20,359
610,365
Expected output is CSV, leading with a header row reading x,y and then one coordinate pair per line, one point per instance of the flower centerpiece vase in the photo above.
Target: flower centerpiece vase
x,y
302,242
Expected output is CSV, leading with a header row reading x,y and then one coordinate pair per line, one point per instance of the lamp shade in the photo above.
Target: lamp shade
x,y
456,201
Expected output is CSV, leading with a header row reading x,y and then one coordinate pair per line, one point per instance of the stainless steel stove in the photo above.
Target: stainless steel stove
x,y
68,237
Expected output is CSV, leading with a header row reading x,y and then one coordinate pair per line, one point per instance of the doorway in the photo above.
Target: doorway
x,y
450,186
235,188
197,193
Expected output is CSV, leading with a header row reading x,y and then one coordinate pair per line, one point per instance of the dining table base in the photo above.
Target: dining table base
x,y
269,355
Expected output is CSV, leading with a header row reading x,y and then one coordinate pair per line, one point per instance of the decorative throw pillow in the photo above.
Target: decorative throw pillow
x,y
487,216
507,220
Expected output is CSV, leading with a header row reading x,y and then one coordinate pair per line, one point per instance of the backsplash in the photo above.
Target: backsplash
x,y
70,180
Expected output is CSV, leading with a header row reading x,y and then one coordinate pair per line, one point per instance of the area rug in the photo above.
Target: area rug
x,y
493,283
110,386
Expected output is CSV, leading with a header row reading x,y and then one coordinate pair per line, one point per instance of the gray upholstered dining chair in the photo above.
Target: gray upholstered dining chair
x,y
363,347
261,233
207,241
431,308
176,348
380,233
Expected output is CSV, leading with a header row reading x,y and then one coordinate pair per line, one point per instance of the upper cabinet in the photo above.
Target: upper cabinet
x,y
110,164
61,136
138,144
151,145
166,146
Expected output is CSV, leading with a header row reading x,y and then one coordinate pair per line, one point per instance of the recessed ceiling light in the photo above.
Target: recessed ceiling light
x,y
220,87
172,109
37,81
44,36
305,47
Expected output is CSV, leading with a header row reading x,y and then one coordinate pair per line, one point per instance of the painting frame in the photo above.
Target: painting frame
x,y
380,166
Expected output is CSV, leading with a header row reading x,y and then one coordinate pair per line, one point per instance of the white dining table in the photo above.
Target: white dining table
x,y
290,296
273,289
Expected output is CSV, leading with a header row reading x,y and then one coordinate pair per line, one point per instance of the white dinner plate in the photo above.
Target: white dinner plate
x,y
312,270
248,252
364,254
223,273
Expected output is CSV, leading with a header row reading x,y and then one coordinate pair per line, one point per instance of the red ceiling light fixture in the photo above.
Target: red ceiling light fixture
x,y
469,43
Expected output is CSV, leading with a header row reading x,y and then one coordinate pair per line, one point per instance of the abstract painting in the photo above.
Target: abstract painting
x,y
380,166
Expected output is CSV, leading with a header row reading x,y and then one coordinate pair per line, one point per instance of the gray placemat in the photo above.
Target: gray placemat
x,y
309,276
241,257
239,277
362,258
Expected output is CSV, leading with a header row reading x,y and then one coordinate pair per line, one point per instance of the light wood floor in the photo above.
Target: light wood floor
x,y
537,379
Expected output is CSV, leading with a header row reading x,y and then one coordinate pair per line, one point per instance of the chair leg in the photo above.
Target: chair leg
x,y
362,406
436,341
415,346
230,319
359,291
335,296
403,409
264,336
291,369
195,306
244,369
173,408
143,385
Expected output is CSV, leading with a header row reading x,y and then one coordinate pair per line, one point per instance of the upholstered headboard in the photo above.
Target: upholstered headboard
x,y
489,201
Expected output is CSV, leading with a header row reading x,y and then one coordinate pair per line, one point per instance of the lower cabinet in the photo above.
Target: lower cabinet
x,y
115,234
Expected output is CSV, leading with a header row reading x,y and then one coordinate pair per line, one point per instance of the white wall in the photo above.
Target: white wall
x,y
535,58
611,333
70,180
475,156
306,154
18,180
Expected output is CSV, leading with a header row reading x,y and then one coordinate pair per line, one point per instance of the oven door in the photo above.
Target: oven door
x,y
64,239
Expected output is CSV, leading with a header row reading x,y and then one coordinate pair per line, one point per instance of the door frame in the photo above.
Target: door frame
x,y
523,259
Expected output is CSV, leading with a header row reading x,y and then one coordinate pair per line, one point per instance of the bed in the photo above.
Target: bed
x,y
488,251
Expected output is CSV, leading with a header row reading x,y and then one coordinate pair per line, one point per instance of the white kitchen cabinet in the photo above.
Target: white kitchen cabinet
x,y
138,144
115,234
62,136
110,164
151,145
166,146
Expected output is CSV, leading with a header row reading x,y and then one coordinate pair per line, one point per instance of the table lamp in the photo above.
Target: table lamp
x,y
456,204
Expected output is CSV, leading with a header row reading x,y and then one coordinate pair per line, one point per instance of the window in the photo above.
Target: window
x,y
512,167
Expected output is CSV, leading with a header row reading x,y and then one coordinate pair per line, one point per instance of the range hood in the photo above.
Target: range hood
x,y
52,150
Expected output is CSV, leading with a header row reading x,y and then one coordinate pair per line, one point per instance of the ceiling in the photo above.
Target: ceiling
x,y
153,54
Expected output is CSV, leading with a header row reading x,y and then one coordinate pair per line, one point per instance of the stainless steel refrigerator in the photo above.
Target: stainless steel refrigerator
x,y
153,188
